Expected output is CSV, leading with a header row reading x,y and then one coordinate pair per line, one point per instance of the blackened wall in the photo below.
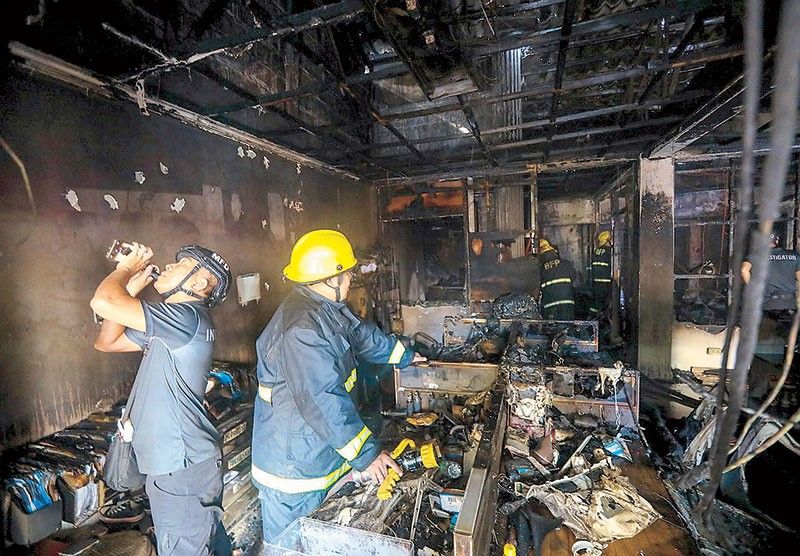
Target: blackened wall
x,y
50,264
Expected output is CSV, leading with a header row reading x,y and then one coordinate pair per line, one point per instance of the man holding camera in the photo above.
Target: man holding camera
x,y
176,445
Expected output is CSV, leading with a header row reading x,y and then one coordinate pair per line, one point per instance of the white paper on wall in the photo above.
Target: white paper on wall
x,y
248,287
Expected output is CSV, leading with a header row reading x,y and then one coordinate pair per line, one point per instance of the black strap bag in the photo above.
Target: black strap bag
x,y
121,472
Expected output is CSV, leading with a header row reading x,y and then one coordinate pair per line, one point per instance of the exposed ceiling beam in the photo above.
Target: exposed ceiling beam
x,y
717,152
498,12
584,113
326,83
507,169
472,122
568,15
543,140
318,133
329,14
581,133
296,123
331,65
629,18
718,111
546,89
540,123
325,136
695,27
397,69
574,157
68,73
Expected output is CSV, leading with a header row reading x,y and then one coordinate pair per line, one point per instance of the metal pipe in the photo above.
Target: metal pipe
x,y
615,336
793,420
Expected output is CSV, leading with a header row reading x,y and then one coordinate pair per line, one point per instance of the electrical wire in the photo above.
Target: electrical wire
x,y
786,86
725,427
787,365
22,171
752,98
793,420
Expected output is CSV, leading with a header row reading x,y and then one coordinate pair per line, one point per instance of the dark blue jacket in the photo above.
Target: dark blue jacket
x,y
556,280
307,432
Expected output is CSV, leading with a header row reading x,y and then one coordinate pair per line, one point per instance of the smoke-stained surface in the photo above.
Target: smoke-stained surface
x,y
50,264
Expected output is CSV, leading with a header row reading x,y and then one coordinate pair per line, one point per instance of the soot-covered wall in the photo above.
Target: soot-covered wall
x,y
50,264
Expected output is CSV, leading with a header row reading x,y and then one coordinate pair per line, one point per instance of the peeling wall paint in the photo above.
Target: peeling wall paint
x,y
50,264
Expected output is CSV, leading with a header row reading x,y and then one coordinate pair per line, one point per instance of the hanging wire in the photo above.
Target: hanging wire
x,y
793,420
23,172
753,67
782,135
787,365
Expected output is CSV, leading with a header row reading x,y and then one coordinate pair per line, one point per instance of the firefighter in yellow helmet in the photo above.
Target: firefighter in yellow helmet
x,y
557,296
307,433
601,273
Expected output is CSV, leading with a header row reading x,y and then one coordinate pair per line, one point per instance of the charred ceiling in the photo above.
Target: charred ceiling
x,y
413,90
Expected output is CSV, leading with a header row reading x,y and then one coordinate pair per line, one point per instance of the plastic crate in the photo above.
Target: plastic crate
x,y
307,536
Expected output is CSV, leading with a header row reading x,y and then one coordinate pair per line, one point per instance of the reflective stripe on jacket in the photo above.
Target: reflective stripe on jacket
x,y
601,265
556,280
307,432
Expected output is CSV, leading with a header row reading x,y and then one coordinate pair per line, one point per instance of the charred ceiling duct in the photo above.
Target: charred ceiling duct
x,y
428,36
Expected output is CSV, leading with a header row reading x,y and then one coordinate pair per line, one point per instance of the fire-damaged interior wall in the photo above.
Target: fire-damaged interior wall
x,y
569,224
82,156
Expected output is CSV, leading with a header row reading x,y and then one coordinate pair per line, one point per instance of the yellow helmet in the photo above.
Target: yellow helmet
x,y
544,245
318,255
603,238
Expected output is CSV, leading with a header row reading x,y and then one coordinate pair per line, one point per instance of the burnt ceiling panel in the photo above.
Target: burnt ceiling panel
x,y
411,90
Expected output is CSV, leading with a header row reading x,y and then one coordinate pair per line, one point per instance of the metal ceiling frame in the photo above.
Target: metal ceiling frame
x,y
399,69
628,18
725,106
329,14
619,152
568,16
343,145
570,85
65,72
583,132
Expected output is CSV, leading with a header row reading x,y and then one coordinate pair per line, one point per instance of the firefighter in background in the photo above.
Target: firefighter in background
x,y
601,273
558,299
307,433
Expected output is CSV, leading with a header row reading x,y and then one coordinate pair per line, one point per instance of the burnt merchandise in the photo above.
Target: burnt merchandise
x,y
516,306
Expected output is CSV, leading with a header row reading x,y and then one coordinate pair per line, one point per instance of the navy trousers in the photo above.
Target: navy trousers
x,y
279,509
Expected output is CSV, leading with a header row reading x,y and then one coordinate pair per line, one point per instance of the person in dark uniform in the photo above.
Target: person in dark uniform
x,y
781,290
601,273
176,445
557,296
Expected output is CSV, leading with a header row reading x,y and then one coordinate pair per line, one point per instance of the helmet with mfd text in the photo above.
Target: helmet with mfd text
x,y
213,263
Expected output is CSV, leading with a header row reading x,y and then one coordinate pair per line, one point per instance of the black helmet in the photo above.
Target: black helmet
x,y
215,264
